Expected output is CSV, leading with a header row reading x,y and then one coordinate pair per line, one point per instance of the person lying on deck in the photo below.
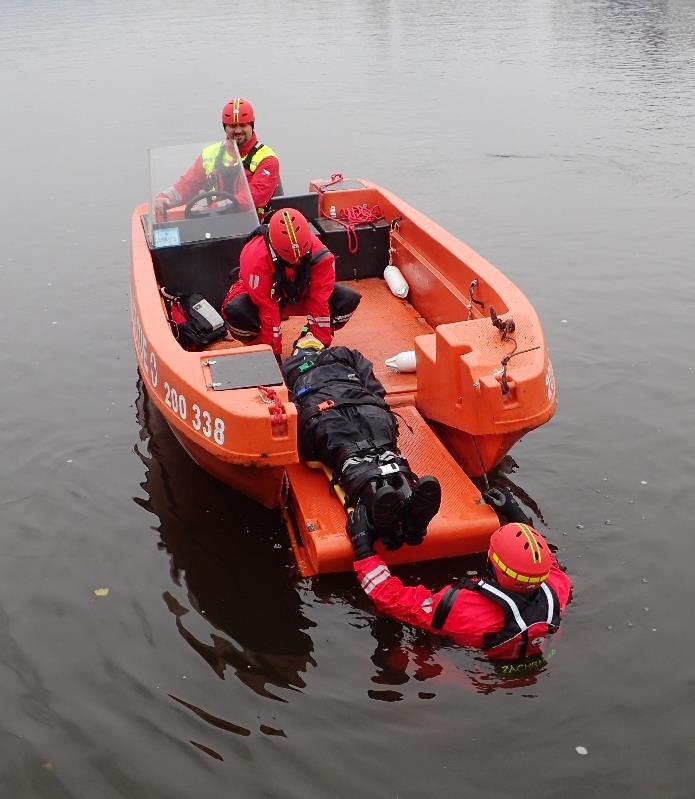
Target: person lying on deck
x,y
509,613
345,423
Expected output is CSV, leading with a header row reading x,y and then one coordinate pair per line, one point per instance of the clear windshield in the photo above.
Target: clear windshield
x,y
198,192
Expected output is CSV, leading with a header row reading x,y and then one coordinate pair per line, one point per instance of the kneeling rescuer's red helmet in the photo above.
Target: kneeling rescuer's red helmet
x,y
289,235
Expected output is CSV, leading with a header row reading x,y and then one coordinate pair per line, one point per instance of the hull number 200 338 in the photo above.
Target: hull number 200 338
x,y
201,420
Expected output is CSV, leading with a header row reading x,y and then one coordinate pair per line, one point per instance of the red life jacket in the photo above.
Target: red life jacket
x,y
291,281
528,618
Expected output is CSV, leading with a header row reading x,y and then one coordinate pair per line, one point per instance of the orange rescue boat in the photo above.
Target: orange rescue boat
x,y
483,375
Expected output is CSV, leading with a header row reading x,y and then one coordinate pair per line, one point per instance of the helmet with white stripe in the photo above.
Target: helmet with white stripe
x,y
238,112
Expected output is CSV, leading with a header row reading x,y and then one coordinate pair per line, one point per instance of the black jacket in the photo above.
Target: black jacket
x,y
340,402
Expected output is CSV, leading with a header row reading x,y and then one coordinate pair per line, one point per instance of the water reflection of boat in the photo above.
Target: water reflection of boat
x,y
265,644
483,376
252,618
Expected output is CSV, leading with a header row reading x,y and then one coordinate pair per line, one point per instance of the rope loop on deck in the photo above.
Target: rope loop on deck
x,y
278,414
336,177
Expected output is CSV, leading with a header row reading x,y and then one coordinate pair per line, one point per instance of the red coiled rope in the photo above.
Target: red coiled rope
x,y
349,218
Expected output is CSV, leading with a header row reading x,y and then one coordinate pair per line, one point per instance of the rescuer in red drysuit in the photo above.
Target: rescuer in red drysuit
x,y
209,170
285,270
508,613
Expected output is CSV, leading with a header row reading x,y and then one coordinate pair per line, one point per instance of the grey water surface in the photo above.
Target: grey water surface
x,y
556,137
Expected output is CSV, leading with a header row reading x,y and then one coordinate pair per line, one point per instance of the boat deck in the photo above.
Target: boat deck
x,y
382,326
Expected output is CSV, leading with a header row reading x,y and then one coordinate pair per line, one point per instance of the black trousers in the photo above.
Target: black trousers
x,y
245,323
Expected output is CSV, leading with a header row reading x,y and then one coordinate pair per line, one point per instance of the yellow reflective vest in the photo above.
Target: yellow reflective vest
x,y
217,157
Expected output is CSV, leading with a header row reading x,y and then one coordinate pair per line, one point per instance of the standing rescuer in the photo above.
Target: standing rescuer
x,y
210,171
285,270
509,613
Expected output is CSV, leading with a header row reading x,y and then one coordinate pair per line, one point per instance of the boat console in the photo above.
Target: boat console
x,y
196,246
196,266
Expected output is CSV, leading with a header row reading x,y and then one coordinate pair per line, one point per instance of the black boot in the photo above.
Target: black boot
x,y
362,480
420,509
384,507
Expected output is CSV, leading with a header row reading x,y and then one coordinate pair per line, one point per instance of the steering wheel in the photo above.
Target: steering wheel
x,y
192,213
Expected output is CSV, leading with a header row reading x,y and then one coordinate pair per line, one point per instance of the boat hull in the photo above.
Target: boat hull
x,y
262,484
230,434
477,389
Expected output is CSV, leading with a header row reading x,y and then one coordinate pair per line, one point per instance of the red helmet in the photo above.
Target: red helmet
x,y
238,112
519,556
289,235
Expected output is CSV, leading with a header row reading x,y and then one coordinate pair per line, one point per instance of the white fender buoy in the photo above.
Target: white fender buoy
x,y
396,282
403,362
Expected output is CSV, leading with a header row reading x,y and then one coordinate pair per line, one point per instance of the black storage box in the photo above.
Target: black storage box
x,y
202,267
372,254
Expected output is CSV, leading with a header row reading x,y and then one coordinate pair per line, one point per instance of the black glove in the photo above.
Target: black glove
x,y
393,540
415,538
505,505
361,532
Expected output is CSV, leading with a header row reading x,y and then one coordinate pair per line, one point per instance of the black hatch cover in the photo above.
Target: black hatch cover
x,y
244,371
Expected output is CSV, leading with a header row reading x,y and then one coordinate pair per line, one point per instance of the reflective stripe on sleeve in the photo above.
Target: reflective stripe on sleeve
x,y
173,196
239,332
319,321
374,578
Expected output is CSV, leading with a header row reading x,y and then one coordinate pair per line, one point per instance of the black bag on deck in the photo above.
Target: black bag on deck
x,y
197,322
